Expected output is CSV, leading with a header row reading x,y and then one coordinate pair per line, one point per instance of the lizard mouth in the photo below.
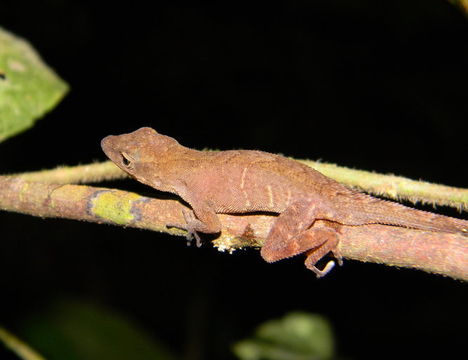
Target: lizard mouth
x,y
120,158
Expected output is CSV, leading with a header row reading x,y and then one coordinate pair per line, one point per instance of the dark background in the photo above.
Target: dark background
x,y
367,84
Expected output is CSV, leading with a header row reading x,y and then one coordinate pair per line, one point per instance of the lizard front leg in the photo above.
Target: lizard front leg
x,y
203,219
292,235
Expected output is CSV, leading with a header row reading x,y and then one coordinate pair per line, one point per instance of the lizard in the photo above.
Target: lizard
x,y
246,181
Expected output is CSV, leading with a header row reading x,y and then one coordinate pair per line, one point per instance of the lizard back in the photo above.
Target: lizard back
x,y
269,182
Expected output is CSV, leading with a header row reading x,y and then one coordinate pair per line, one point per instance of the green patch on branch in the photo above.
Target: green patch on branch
x,y
114,207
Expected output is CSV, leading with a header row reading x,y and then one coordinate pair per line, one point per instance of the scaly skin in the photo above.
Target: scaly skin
x,y
241,181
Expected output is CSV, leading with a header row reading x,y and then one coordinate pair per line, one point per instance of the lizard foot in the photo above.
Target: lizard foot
x,y
321,273
191,232
192,222
314,255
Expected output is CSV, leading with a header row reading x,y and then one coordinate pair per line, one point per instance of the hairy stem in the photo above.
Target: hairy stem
x,y
395,187
80,174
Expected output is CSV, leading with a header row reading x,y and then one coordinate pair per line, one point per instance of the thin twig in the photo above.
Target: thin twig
x,y
395,187
80,174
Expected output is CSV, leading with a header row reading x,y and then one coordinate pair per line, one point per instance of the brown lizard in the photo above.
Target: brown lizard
x,y
243,181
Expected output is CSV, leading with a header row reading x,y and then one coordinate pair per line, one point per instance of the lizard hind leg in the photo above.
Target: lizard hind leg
x,y
292,235
315,243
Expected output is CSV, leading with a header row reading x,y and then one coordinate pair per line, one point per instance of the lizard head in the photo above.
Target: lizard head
x,y
140,153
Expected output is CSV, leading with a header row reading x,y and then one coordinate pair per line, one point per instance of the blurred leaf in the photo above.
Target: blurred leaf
x,y
296,336
28,87
78,331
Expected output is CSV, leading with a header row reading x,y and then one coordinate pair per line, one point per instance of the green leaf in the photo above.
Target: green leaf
x,y
28,87
81,331
296,336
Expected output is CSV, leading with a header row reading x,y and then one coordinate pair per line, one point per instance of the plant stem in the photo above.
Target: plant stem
x,y
434,252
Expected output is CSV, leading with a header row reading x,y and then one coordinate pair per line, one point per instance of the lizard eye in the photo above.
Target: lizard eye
x,y
127,160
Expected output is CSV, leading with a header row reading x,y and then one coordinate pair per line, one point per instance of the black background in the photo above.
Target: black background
x,y
372,85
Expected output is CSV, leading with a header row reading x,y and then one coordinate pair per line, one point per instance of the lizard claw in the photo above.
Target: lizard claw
x,y
191,234
321,273
338,257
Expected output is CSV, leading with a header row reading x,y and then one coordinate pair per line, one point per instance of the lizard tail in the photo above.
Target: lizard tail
x,y
389,213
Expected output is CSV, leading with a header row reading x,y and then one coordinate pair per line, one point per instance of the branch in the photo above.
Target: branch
x,y
395,187
445,254
390,186
80,174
